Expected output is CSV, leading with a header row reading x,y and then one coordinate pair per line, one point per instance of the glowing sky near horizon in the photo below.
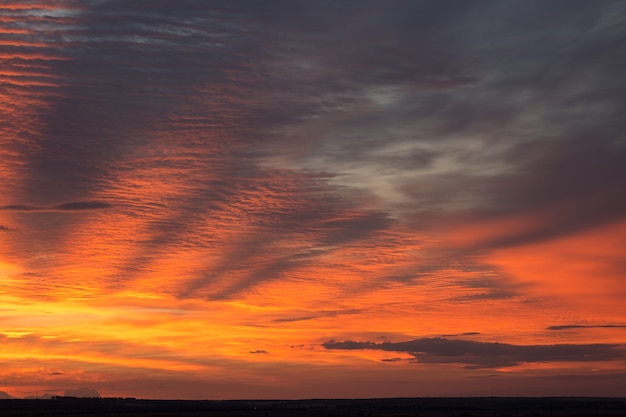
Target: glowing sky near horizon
x,y
296,199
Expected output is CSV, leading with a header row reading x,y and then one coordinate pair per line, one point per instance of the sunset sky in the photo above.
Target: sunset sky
x,y
292,199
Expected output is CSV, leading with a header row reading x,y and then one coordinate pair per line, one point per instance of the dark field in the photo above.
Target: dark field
x,y
396,407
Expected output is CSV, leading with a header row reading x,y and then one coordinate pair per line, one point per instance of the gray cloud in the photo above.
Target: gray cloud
x,y
579,326
295,319
70,206
83,205
316,315
19,207
477,355
392,360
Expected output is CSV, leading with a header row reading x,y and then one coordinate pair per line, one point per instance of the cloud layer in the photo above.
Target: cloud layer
x,y
185,186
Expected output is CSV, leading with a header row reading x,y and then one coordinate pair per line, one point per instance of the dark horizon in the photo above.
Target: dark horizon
x,y
397,407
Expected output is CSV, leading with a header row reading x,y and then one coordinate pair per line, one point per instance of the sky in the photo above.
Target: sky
x,y
236,199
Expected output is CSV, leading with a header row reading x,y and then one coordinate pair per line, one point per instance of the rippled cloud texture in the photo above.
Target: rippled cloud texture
x,y
291,199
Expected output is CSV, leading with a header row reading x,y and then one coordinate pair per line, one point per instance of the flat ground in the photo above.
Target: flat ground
x,y
395,407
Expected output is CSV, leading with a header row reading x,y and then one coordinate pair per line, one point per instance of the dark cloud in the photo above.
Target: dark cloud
x,y
19,207
580,326
70,206
316,316
393,360
294,319
123,68
477,355
559,170
572,189
357,227
3,228
260,351
83,205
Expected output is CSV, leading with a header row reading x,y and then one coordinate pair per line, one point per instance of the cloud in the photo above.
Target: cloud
x,y
393,360
3,228
320,101
240,150
477,355
294,319
450,83
316,315
579,326
19,207
82,205
259,351
70,206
